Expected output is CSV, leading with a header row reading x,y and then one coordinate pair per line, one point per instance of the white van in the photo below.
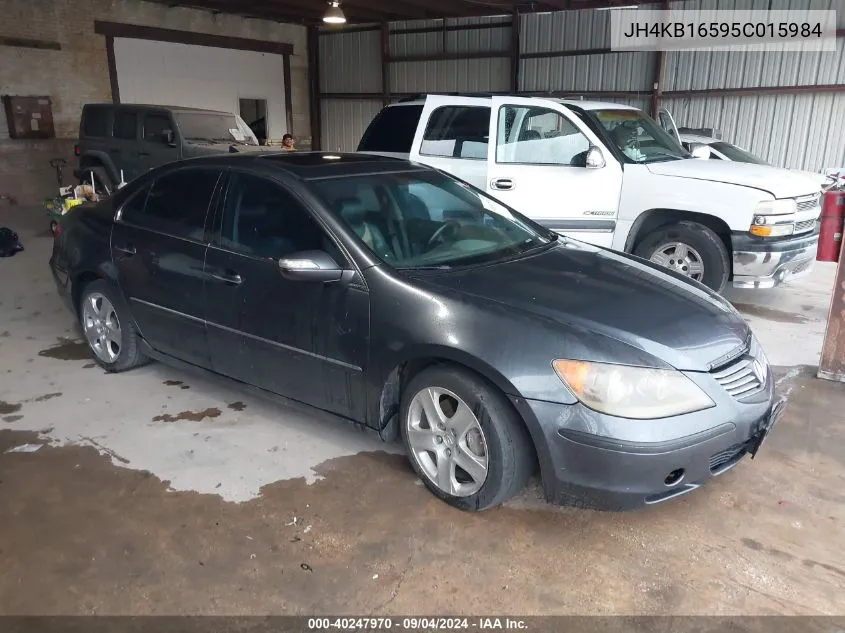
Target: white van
x,y
608,174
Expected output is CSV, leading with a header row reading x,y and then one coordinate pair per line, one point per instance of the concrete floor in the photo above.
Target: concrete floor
x,y
157,491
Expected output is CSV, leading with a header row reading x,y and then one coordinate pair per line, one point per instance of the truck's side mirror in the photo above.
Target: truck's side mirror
x,y
699,150
167,137
595,158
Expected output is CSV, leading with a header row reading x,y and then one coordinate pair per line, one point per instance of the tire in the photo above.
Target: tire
x,y
115,349
507,448
701,243
103,185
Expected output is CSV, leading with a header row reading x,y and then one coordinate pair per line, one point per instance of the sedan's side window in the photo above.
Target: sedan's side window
x,y
177,204
262,219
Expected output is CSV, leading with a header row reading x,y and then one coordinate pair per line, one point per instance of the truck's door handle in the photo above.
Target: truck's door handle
x,y
502,184
143,153
229,277
129,250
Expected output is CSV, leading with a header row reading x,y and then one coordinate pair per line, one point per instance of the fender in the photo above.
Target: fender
x,y
104,159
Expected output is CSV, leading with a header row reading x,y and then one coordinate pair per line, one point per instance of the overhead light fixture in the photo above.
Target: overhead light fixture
x,y
334,14
613,8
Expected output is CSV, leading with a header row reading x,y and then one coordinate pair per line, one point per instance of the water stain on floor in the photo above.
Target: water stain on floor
x,y
67,349
771,314
189,416
12,418
237,406
46,396
172,383
9,407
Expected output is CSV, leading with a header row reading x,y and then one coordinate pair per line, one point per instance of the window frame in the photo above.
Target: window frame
x,y
225,187
148,186
453,106
571,121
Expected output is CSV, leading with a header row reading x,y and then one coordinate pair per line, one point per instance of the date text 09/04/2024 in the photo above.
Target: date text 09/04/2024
x,y
706,30
417,624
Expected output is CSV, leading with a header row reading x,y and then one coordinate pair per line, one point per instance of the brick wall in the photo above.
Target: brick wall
x,y
78,73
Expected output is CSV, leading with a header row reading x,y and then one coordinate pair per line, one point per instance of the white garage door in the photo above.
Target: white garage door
x,y
163,73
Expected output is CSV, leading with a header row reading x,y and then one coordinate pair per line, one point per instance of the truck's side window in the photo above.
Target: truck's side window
x,y
539,136
392,130
125,125
96,121
154,125
457,132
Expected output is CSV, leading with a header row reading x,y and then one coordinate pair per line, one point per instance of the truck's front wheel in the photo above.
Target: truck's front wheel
x,y
691,249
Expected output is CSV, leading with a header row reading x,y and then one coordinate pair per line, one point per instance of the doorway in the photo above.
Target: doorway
x,y
254,112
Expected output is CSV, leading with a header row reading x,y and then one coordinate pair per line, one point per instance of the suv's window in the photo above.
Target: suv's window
x,y
177,203
457,132
392,130
154,125
262,219
95,121
125,125
539,136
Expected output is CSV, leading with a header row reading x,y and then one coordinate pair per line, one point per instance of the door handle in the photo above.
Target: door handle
x,y
129,250
143,153
230,278
502,184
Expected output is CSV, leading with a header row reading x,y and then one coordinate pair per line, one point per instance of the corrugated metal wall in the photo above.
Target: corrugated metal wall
x,y
791,130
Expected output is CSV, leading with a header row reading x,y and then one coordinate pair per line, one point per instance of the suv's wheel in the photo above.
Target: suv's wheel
x,y
463,438
691,249
110,333
103,185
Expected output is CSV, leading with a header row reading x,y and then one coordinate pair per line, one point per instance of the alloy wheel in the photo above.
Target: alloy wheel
x,y
101,327
447,441
680,257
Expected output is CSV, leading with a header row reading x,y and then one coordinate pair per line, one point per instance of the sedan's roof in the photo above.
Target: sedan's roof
x,y
314,165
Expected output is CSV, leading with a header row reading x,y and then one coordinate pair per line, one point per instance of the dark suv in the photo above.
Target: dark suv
x,y
136,138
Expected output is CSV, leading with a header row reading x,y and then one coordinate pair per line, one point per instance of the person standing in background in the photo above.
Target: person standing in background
x,y
287,143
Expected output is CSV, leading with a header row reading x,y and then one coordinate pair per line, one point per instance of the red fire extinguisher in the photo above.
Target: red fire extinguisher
x,y
832,221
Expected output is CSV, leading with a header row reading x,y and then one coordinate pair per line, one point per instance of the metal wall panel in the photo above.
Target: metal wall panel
x,y
492,40
344,122
464,75
350,62
797,131
624,72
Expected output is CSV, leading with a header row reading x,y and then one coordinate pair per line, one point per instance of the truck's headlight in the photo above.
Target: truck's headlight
x,y
641,393
772,226
784,206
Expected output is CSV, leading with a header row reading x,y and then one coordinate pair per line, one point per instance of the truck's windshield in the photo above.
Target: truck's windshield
x,y
639,138
425,219
737,153
213,127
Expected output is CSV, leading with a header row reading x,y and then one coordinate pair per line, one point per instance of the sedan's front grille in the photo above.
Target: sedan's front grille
x,y
724,458
803,227
739,379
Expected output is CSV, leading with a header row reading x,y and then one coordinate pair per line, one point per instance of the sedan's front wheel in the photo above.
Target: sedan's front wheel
x,y
464,439
110,333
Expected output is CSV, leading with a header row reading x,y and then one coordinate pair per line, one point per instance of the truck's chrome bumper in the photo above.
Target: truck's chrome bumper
x,y
760,264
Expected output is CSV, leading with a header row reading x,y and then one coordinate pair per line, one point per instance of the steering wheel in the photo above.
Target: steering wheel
x,y
438,234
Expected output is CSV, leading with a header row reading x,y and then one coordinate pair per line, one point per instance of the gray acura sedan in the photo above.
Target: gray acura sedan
x,y
395,296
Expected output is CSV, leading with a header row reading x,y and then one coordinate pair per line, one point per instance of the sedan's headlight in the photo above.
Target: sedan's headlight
x,y
642,393
783,206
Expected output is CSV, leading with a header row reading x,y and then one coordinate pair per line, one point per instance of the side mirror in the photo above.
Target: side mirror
x,y
311,266
595,158
167,137
699,150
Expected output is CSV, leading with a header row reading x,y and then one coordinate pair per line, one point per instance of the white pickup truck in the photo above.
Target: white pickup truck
x,y
610,175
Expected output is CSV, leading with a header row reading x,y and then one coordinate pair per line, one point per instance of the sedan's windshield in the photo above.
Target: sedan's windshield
x,y
639,138
736,153
211,127
428,220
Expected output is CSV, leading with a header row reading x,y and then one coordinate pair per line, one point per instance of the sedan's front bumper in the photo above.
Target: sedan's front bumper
x,y
760,263
592,460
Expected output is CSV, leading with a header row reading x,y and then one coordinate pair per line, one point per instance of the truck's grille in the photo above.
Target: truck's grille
x,y
805,226
725,458
739,379
806,203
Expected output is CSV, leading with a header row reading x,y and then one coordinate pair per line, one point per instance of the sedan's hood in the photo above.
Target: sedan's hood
x,y
781,183
615,295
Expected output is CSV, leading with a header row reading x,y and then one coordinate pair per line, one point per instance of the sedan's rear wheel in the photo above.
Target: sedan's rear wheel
x,y
464,439
110,333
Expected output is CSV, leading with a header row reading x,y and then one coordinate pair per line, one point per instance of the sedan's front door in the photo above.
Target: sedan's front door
x,y
158,247
305,340
536,163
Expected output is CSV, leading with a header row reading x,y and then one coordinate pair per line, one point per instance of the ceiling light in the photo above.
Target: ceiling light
x,y
334,14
